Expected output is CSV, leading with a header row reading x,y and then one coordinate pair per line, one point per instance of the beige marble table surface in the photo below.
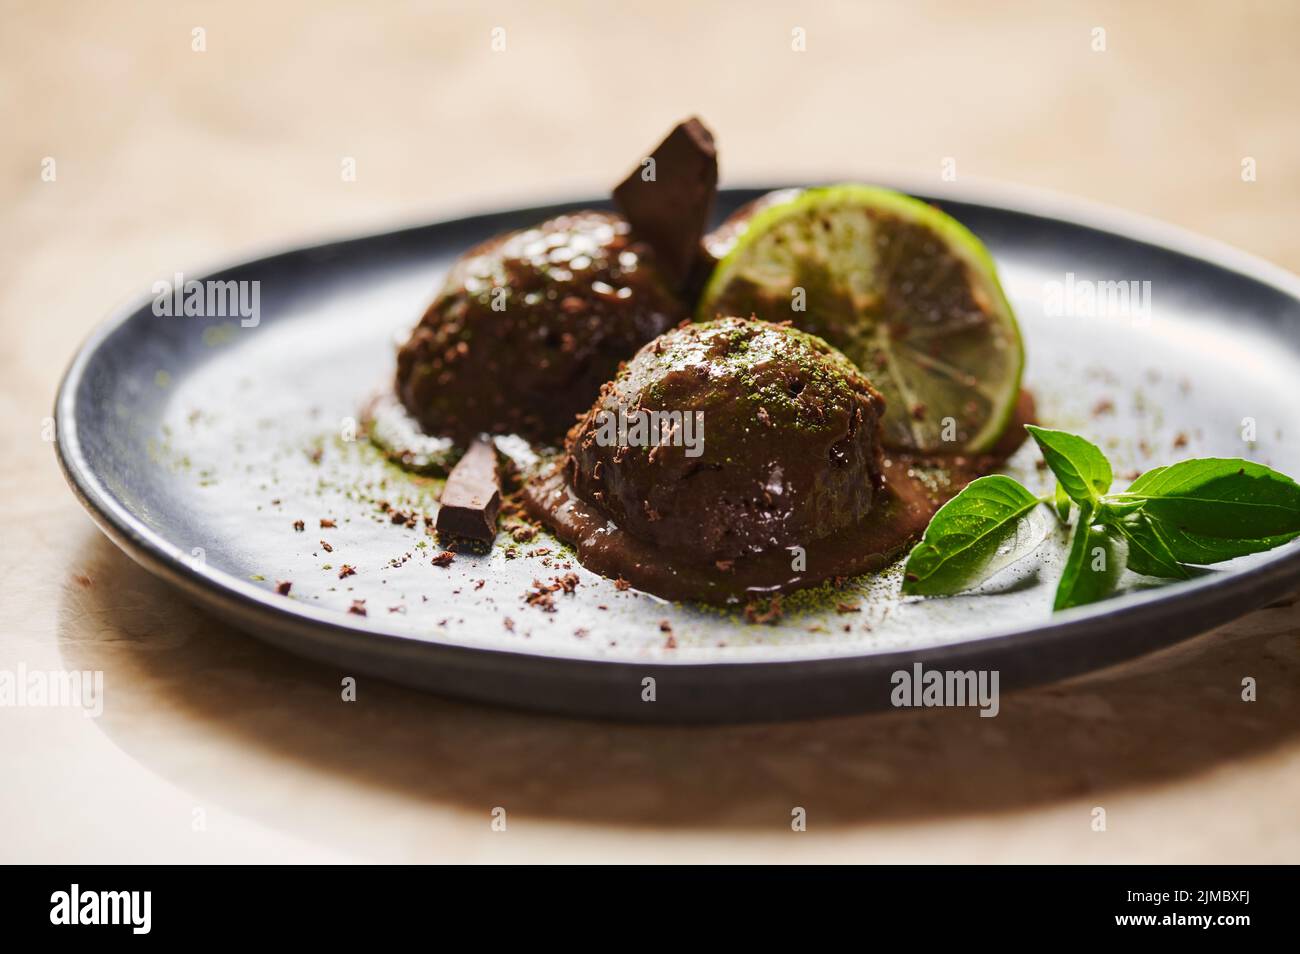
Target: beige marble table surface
x,y
212,747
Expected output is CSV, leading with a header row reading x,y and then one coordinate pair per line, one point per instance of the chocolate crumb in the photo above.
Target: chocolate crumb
x,y
299,526
283,587
345,571
358,607
541,595
543,601
523,533
444,558
773,612
326,547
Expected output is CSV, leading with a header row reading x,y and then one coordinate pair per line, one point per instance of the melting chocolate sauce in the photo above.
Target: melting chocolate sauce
x,y
914,489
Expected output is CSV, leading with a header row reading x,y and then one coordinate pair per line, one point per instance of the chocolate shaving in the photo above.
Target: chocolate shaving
x,y
668,200
472,497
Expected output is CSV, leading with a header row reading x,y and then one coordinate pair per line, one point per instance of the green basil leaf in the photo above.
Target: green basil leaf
x,y
1148,551
975,534
1079,465
1094,564
1225,498
1061,501
1200,550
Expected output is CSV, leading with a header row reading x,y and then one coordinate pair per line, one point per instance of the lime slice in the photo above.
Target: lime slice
x,y
905,291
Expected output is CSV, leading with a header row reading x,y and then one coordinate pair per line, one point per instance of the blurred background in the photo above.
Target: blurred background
x,y
143,138
170,157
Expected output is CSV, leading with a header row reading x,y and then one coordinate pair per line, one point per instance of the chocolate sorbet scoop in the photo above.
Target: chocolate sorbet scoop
x,y
783,449
529,325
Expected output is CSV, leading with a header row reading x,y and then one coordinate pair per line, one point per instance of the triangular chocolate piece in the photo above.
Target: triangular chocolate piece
x,y
668,198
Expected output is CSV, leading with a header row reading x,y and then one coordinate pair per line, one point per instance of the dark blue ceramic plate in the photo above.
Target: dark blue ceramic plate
x,y
196,443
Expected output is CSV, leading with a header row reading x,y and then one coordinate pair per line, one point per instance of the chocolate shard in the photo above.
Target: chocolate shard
x,y
472,496
669,196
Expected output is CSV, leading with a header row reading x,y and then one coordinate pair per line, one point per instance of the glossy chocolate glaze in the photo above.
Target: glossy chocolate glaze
x,y
769,437
529,325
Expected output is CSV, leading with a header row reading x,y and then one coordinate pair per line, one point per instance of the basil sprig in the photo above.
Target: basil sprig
x,y
1192,513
